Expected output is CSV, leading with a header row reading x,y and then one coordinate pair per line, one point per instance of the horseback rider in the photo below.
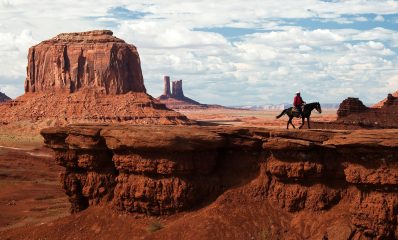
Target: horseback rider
x,y
298,103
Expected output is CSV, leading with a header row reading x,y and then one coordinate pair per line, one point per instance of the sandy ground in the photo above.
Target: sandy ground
x,y
29,189
252,118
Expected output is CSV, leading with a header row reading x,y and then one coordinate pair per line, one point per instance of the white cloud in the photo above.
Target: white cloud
x,y
152,34
13,51
361,19
379,18
326,64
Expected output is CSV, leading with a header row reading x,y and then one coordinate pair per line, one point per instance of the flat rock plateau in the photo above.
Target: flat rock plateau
x,y
224,183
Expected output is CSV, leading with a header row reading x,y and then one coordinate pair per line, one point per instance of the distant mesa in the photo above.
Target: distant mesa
x,y
4,98
86,77
175,99
383,114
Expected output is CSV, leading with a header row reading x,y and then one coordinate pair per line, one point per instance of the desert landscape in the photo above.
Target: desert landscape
x,y
87,152
132,168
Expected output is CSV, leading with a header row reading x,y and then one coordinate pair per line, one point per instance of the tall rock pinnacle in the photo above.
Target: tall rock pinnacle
x,y
166,92
177,92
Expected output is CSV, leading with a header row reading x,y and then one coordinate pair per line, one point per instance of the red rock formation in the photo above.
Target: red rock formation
x,y
391,97
94,59
161,170
4,97
86,77
176,99
349,106
382,115
177,92
167,92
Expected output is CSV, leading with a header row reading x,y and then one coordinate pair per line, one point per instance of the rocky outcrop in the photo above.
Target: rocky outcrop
x,y
86,77
94,59
161,170
4,98
389,100
352,112
176,98
350,106
88,106
167,92
177,90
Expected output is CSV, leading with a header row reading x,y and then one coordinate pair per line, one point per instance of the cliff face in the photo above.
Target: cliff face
x,y
382,115
167,92
95,59
350,175
391,97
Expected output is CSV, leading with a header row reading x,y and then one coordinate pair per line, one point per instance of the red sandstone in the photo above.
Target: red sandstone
x,y
164,170
86,77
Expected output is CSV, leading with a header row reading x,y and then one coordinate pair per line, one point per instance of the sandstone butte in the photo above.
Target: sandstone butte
x,y
384,114
225,182
86,77
175,98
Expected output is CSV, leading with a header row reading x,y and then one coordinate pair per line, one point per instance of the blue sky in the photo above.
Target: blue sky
x,y
227,52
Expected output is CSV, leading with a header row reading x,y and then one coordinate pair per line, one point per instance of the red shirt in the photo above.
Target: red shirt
x,y
298,101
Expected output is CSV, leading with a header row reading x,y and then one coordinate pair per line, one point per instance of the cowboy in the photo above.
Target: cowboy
x,y
298,103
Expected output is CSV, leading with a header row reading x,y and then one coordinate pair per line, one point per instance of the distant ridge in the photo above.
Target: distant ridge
x,y
282,106
4,97
381,103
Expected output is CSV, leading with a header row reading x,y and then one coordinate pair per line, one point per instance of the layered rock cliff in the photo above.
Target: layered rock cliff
x,y
388,100
163,170
93,59
352,112
86,77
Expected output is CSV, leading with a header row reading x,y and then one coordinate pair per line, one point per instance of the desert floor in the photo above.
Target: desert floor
x,y
250,118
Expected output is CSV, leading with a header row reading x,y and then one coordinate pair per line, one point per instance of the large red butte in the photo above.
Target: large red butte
x,y
71,61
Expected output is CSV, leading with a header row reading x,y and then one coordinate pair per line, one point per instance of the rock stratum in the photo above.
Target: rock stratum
x,y
95,59
352,112
86,77
309,184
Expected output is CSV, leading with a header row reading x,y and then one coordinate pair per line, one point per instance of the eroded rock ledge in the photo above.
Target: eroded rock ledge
x,y
165,169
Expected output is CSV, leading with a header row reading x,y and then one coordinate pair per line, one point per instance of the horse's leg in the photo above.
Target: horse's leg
x,y
308,122
290,121
287,126
302,122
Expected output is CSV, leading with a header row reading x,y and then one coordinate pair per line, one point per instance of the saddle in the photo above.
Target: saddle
x,y
295,110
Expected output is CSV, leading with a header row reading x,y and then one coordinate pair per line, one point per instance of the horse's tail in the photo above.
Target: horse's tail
x,y
282,113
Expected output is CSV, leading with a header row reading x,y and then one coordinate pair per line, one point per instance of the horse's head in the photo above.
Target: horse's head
x,y
318,107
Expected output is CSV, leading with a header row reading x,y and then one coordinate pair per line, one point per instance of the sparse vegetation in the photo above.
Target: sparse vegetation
x,y
264,235
155,226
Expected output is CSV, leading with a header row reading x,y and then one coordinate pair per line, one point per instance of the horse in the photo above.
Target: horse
x,y
306,114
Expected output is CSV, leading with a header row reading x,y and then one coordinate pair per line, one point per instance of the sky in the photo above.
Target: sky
x,y
249,52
